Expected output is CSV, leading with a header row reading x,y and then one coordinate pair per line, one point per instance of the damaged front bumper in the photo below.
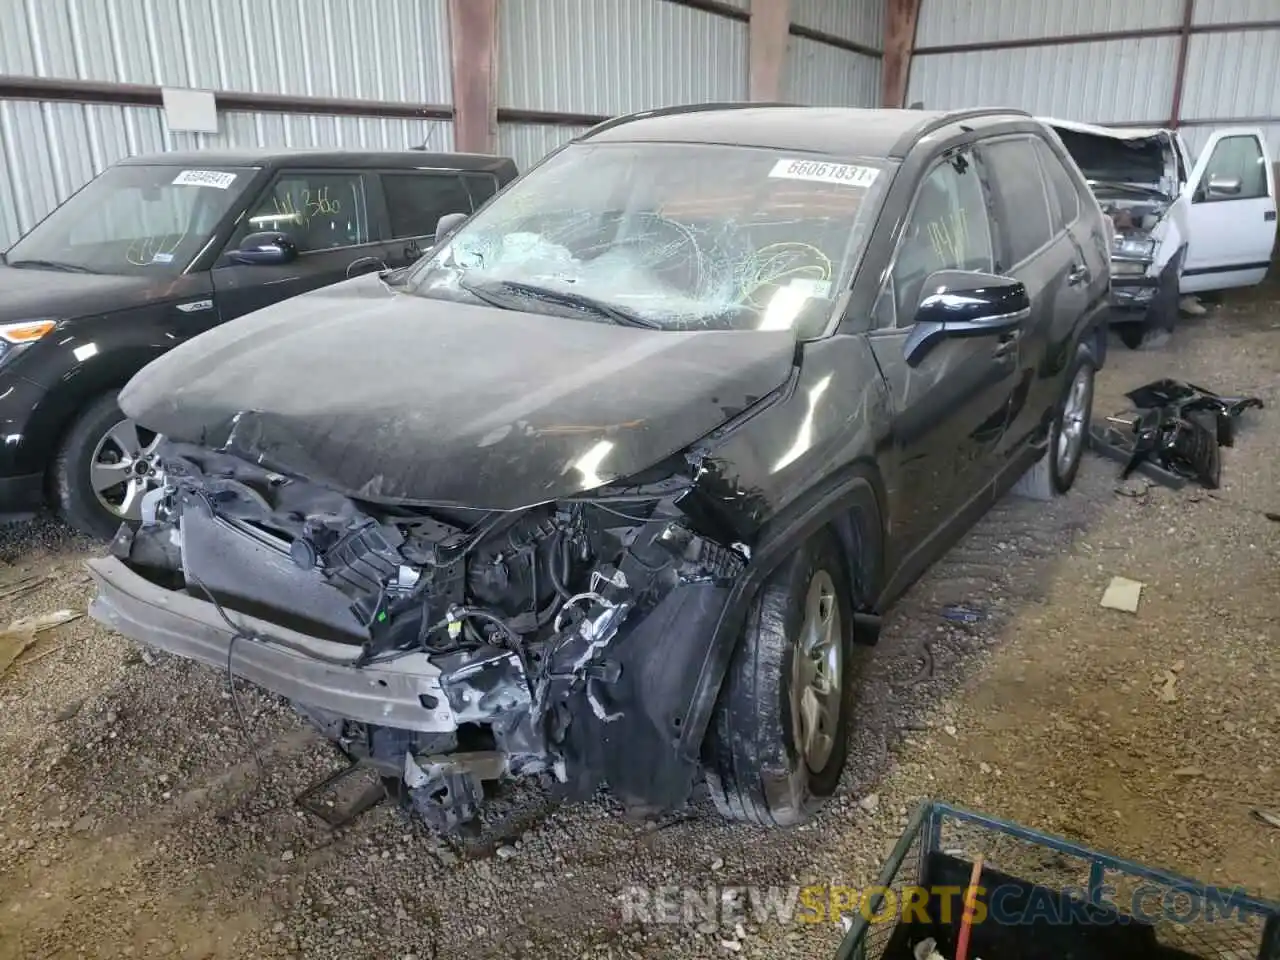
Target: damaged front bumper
x,y
404,693
1135,283
444,648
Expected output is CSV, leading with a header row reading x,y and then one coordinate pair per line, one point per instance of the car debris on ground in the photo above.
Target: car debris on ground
x,y
1174,433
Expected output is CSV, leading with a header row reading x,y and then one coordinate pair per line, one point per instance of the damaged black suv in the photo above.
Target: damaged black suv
x,y
607,486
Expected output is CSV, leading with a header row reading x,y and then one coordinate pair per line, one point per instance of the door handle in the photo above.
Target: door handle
x,y
1269,216
1078,274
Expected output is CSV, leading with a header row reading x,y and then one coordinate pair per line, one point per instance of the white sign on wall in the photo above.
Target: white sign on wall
x,y
190,111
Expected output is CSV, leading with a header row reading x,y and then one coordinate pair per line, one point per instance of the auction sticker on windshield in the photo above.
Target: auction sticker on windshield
x,y
204,178
819,171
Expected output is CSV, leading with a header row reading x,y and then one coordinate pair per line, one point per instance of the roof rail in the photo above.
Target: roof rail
x,y
952,116
612,122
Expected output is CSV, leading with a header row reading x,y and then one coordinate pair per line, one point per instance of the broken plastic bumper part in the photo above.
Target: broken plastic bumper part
x,y
402,693
1174,433
1133,292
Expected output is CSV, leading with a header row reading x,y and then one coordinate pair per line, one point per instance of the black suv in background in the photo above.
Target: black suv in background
x,y
158,249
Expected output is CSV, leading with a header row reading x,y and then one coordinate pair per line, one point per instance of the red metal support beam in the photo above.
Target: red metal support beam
x,y
1180,71
769,28
901,17
473,36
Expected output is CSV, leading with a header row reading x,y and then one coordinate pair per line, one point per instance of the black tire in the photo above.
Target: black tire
x,y
1063,474
754,771
76,500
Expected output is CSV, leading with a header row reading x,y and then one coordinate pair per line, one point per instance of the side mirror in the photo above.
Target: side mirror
x,y
960,303
1224,186
447,224
270,247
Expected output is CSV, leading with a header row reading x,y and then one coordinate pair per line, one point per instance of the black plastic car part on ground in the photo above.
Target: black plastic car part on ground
x,y
1174,433
605,489
159,249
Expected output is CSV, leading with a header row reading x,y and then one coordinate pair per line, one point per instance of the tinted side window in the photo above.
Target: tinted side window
x,y
1063,186
948,230
1024,207
319,211
415,201
482,186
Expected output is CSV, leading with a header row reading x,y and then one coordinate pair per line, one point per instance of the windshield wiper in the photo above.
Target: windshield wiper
x,y
619,315
52,265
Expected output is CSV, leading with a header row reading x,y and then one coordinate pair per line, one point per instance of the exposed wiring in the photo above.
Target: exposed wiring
x,y
618,513
557,583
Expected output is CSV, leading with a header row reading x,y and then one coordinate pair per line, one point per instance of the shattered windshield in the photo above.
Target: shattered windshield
x,y
674,236
134,219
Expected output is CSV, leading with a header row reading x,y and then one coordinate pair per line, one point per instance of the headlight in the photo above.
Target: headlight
x,y
15,336
1133,247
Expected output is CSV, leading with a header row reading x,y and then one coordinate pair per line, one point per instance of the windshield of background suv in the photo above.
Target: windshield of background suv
x,y
675,236
134,220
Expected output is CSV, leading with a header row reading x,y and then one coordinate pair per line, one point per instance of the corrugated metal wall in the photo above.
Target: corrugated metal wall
x,y
828,76
1110,81
373,49
861,21
529,142
605,57
1230,74
825,76
946,22
395,50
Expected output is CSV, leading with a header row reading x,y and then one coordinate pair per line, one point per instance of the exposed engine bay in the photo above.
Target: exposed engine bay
x,y
1133,216
552,641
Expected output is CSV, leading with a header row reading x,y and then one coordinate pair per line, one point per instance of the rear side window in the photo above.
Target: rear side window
x,y
482,186
1014,174
1062,187
415,201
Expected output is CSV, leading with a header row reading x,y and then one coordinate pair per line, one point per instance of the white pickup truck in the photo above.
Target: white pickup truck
x,y
1181,227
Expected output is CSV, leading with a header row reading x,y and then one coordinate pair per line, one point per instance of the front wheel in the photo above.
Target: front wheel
x,y
106,466
780,732
1070,431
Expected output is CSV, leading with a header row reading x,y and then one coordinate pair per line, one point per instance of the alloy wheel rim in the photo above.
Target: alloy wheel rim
x,y
1075,413
817,679
123,469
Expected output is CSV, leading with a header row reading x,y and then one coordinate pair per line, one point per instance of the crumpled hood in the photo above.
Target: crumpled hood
x,y
28,293
1131,156
401,399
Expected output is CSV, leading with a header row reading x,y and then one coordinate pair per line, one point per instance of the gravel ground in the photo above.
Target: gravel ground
x,y
136,821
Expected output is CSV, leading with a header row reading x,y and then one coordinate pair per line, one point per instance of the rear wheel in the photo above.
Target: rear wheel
x,y
1070,432
105,467
780,734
